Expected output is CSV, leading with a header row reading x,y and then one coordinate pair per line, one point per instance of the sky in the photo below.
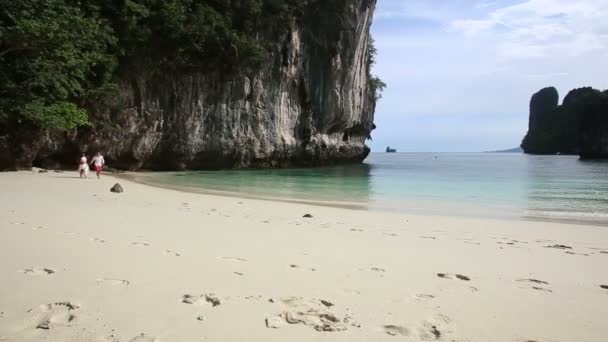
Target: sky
x,y
460,73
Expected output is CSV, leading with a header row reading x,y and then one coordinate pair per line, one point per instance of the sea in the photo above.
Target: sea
x,y
489,185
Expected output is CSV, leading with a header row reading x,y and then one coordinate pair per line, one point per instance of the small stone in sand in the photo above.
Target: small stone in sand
x,y
605,287
116,188
307,216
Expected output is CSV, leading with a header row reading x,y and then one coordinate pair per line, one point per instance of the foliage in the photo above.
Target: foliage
x,y
194,35
50,53
59,115
59,56
376,84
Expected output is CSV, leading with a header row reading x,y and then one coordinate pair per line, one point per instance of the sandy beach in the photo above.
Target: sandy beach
x,y
80,263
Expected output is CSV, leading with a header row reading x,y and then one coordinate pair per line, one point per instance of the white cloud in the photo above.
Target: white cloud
x,y
457,58
541,28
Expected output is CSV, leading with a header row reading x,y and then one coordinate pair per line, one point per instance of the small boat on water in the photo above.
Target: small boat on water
x,y
390,150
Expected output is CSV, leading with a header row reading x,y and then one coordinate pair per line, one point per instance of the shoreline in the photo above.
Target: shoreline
x,y
131,176
80,263
463,211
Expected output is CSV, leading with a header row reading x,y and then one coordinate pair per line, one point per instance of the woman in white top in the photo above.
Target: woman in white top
x,y
83,167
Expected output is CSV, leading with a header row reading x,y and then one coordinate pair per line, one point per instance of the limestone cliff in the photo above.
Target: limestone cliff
x,y
593,133
578,126
310,103
548,131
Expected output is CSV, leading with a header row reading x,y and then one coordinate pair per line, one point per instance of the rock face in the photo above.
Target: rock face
x,y
541,105
546,126
311,103
578,126
593,134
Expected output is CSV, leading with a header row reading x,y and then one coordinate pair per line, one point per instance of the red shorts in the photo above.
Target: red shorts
x,y
97,168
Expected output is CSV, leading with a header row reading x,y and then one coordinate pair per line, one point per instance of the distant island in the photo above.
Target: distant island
x,y
578,126
390,150
511,150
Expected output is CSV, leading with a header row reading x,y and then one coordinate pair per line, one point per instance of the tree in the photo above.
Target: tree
x,y
51,54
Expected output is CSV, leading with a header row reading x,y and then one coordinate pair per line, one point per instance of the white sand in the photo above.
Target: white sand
x,y
159,262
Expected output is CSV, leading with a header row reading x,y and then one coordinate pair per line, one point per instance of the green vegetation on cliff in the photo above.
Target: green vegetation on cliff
x,y
58,55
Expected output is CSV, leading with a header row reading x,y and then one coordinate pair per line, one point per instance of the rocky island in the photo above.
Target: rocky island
x,y
578,126
185,84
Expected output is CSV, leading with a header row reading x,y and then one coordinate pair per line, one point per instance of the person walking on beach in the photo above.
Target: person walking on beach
x,y
98,162
83,167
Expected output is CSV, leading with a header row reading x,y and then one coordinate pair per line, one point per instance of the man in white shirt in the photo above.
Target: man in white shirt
x,y
98,162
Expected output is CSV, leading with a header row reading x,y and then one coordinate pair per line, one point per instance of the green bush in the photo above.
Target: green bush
x,y
60,115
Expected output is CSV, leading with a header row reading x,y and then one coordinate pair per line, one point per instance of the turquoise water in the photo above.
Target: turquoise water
x,y
470,184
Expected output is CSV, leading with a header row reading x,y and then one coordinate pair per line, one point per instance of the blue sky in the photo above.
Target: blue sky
x,y
460,73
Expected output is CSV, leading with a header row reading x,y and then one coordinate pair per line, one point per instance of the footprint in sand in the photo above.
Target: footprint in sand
x,y
535,281
297,266
144,338
424,296
49,315
453,276
37,271
429,332
559,247
113,282
140,244
472,243
309,312
572,253
97,240
205,299
109,338
396,330
233,259
171,253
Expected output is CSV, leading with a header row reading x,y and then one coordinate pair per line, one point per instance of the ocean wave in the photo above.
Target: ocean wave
x,y
568,215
